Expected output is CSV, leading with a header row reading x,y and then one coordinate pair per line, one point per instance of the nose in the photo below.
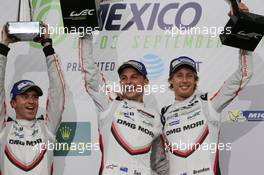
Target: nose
x,y
184,79
128,81
31,100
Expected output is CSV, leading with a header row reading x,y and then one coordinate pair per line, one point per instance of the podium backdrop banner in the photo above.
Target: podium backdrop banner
x,y
153,32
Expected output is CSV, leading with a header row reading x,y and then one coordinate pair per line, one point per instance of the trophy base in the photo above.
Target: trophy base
x,y
24,31
243,31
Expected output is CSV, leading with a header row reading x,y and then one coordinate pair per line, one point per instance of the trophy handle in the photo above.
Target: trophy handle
x,y
24,11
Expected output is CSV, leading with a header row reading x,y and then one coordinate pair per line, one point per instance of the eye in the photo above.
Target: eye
x,y
24,96
179,75
134,76
35,97
123,78
190,75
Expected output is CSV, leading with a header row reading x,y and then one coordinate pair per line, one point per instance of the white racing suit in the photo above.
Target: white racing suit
x,y
191,127
127,127
23,149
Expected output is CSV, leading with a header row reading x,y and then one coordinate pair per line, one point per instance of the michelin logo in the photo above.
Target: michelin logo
x,y
241,116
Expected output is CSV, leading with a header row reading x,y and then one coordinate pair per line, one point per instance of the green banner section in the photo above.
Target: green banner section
x,y
73,139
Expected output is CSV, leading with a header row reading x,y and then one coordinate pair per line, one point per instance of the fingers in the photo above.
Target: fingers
x,y
242,7
13,40
2,33
44,33
229,13
4,38
46,30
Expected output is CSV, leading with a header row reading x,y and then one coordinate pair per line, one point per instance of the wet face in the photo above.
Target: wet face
x,y
132,83
183,82
26,105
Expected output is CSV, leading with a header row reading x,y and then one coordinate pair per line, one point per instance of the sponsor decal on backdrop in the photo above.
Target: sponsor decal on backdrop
x,y
103,66
74,139
244,115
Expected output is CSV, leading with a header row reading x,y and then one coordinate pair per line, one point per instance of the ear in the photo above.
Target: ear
x,y
13,103
146,81
196,79
170,81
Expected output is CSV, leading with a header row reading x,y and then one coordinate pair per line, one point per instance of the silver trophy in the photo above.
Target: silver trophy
x,y
25,29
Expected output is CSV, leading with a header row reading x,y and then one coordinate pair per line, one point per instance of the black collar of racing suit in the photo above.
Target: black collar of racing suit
x,y
10,119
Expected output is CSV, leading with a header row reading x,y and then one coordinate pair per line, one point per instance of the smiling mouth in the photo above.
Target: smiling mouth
x,y
184,87
30,109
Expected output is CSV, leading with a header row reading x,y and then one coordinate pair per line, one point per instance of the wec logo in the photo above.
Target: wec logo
x,y
86,12
250,35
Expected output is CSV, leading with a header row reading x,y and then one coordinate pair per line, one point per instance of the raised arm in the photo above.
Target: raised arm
x,y
56,91
3,53
4,49
93,80
235,83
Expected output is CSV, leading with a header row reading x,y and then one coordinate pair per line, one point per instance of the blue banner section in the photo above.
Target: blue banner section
x,y
254,115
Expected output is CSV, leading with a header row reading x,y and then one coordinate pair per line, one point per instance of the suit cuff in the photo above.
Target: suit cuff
x,y
4,49
48,50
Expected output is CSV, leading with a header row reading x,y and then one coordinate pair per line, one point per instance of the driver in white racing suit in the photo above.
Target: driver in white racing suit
x,y
191,124
24,137
128,127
